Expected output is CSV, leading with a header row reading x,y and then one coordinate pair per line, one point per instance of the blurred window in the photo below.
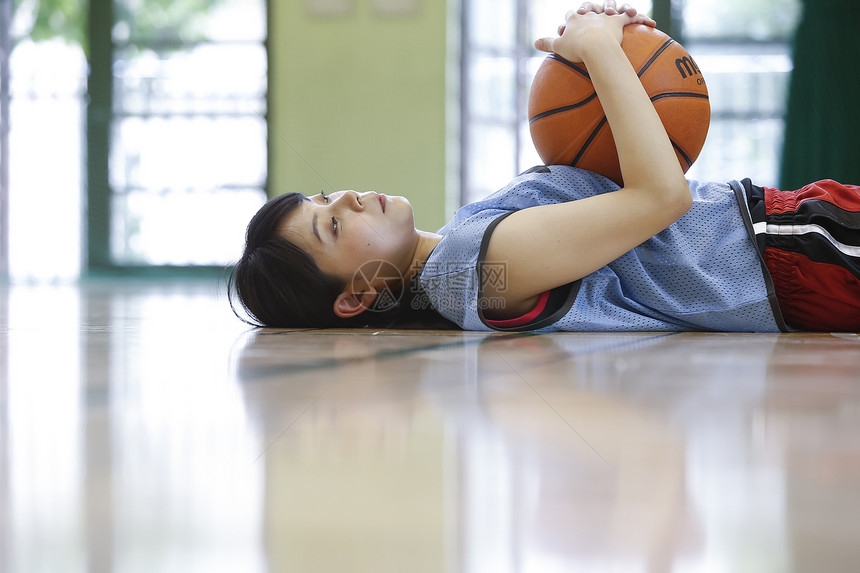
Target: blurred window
x,y
744,52
42,95
188,152
169,161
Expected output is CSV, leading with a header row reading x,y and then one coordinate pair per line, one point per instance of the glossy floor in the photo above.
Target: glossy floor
x,y
143,428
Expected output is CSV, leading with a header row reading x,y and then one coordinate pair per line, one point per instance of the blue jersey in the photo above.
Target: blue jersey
x,y
702,273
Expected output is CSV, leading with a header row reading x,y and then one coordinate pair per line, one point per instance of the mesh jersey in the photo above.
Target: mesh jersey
x,y
702,273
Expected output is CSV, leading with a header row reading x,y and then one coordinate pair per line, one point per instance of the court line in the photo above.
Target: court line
x,y
250,374
254,373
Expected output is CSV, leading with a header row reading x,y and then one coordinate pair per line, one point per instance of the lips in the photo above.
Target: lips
x,y
382,201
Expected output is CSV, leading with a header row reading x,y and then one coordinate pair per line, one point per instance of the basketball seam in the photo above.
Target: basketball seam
x,y
680,94
682,152
570,65
563,109
656,55
588,141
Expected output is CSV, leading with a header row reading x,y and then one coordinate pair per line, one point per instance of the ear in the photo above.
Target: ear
x,y
349,304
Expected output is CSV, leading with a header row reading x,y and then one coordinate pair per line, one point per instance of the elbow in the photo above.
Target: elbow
x,y
682,195
685,201
669,198
679,200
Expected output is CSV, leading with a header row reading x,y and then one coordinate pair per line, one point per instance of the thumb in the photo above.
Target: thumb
x,y
545,44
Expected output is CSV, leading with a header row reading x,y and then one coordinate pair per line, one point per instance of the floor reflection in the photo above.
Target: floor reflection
x,y
126,444
142,427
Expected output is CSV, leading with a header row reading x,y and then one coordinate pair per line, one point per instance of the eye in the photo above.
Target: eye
x,y
324,197
334,225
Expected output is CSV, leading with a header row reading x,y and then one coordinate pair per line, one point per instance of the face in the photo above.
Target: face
x,y
345,230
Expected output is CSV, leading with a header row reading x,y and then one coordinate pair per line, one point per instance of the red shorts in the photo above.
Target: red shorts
x,y
812,250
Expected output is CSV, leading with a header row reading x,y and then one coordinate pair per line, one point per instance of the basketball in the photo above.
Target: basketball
x,y
567,123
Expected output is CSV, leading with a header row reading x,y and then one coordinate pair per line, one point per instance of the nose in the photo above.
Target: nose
x,y
350,200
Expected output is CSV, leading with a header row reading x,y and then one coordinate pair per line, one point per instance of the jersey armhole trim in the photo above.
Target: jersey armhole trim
x,y
524,319
541,322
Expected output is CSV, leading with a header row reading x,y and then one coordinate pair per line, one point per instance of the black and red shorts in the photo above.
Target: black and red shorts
x,y
810,243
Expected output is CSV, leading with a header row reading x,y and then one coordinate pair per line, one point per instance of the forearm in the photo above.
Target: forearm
x,y
551,245
648,161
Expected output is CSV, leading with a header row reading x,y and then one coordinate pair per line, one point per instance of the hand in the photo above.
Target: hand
x,y
610,9
588,18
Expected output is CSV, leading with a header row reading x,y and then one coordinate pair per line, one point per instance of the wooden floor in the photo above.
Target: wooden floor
x,y
144,428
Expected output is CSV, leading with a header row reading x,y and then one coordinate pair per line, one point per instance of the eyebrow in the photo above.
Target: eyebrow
x,y
316,231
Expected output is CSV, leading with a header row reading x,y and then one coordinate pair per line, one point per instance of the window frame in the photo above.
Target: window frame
x,y
99,120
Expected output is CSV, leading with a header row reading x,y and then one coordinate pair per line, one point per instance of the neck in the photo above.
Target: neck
x,y
426,243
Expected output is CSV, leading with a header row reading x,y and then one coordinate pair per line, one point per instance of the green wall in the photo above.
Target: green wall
x,y
357,101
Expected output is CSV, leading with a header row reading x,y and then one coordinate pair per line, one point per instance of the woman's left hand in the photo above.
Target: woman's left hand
x,y
610,9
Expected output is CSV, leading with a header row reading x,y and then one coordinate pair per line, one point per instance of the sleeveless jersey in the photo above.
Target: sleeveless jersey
x,y
702,273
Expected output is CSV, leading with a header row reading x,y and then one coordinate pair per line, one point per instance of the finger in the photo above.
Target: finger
x,y
590,7
561,29
609,8
630,11
545,44
643,19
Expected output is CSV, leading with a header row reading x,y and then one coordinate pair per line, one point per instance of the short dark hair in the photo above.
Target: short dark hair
x,y
278,284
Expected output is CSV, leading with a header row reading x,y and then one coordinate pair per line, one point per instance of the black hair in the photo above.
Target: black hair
x,y
278,284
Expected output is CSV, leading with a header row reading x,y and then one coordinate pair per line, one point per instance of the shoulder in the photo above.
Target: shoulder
x,y
542,185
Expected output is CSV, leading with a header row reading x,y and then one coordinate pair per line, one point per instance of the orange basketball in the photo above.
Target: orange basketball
x,y
568,125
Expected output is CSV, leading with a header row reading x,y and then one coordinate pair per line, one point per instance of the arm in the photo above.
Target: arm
x,y
548,246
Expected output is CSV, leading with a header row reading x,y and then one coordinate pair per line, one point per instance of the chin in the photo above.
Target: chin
x,y
404,208
399,199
